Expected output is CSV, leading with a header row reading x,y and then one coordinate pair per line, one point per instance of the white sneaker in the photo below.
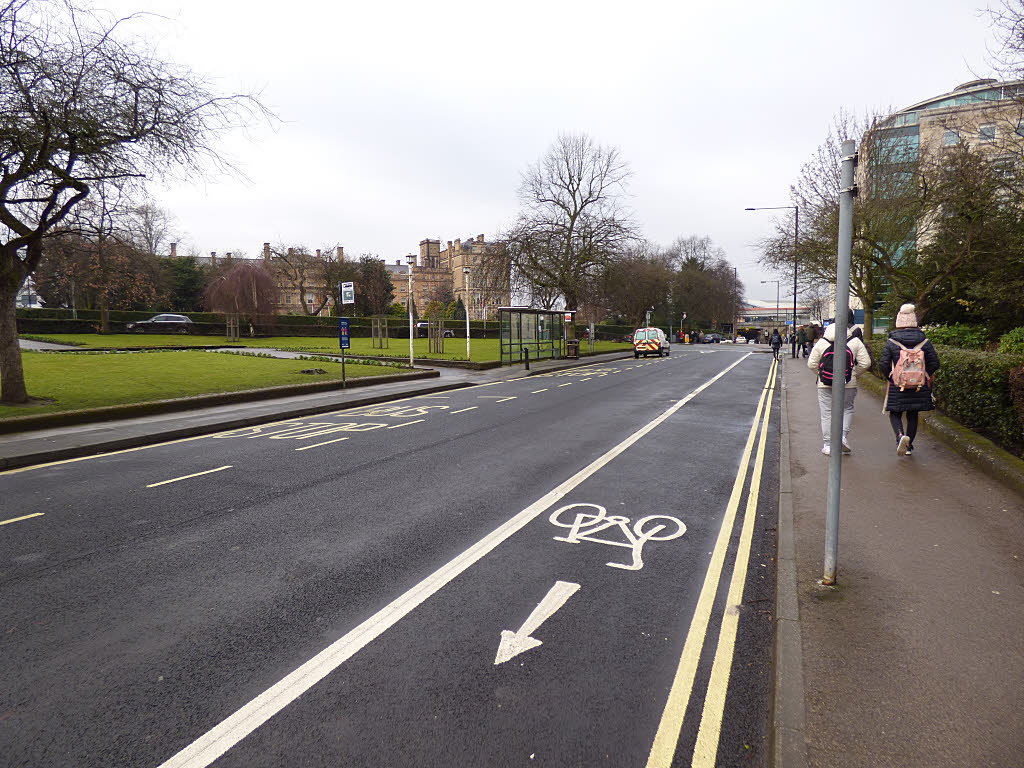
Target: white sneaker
x,y
901,449
825,449
846,446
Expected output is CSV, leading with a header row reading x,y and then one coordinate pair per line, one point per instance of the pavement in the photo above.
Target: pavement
x,y
915,656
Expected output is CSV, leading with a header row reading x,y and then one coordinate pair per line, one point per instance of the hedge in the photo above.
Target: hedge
x,y
983,391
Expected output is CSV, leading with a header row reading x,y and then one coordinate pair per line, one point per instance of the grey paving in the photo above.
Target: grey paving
x,y
915,658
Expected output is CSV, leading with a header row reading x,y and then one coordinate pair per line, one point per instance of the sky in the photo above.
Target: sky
x,y
401,121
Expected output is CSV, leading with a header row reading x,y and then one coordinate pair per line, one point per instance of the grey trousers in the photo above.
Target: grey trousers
x,y
825,406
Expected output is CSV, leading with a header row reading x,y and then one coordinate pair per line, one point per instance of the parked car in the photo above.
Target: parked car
x,y
163,324
649,341
712,338
421,331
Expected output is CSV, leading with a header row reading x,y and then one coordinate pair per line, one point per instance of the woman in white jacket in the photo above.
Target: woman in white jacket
x,y
861,363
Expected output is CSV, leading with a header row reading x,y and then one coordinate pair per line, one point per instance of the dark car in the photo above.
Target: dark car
x,y
163,324
712,338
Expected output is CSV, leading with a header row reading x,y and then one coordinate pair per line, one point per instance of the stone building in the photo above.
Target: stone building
x,y
438,272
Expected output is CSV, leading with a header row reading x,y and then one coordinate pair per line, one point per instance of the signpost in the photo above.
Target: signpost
x,y
344,343
348,293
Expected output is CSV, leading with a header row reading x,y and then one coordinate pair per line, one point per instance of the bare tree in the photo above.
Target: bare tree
x,y
888,219
246,289
573,222
84,103
636,282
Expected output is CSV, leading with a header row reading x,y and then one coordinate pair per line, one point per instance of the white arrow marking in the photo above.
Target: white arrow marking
x,y
514,643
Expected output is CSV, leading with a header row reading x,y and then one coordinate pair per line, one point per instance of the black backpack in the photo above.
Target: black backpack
x,y
825,364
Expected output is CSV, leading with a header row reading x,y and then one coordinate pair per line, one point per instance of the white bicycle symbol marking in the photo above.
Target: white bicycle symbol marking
x,y
585,525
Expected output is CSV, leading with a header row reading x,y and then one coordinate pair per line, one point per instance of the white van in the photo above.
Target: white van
x,y
648,341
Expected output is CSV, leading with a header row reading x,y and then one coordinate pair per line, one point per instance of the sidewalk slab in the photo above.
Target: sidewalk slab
x,y
915,657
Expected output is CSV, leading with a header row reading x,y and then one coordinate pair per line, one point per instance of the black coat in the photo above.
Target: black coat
x,y
908,399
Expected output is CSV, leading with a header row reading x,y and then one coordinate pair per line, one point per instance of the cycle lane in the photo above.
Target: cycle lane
x,y
429,691
138,641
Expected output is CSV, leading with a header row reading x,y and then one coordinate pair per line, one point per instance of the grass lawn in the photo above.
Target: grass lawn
x,y
482,350
90,381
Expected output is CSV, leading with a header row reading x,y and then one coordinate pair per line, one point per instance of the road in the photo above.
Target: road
x,y
572,569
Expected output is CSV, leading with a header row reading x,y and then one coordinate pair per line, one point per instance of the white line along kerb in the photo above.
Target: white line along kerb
x,y
219,739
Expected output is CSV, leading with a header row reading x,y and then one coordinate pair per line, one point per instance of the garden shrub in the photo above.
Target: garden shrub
x,y
1012,342
959,335
975,389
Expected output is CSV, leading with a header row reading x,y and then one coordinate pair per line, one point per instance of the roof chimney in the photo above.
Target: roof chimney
x,y
266,250
318,253
213,258
479,238
341,253
174,250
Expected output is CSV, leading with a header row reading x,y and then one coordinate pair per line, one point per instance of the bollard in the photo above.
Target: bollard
x,y
526,357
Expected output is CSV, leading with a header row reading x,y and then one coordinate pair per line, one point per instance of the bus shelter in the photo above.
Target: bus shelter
x,y
540,331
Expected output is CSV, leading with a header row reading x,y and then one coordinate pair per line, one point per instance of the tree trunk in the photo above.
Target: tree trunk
x,y
12,377
104,314
869,321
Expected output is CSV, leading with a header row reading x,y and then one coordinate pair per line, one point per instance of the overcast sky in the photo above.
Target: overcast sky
x,y
407,120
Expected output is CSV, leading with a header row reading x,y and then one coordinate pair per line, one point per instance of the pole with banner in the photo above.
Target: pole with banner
x,y
344,343
347,292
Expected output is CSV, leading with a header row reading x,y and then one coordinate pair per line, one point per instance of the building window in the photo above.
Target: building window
x,y
950,138
987,132
287,298
309,298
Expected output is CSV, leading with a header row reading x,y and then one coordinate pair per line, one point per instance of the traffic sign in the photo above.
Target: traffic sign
x,y
343,339
348,293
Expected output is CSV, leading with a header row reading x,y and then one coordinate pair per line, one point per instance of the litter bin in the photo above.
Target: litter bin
x,y
572,349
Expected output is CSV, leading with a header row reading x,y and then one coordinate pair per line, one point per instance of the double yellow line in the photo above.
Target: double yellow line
x,y
671,725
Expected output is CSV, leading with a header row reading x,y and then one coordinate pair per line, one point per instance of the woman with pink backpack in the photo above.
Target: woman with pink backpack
x,y
909,362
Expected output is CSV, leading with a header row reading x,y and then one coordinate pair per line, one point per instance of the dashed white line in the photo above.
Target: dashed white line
x,y
406,424
538,391
23,517
186,477
317,445
463,410
567,384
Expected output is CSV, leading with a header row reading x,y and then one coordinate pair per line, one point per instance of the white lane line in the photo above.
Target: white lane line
x,y
502,400
432,397
219,739
23,517
186,477
567,384
406,424
463,410
538,391
317,445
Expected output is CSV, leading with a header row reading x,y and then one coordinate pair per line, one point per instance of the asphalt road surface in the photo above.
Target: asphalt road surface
x,y
572,569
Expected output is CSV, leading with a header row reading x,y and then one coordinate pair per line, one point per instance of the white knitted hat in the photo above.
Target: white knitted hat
x,y
907,318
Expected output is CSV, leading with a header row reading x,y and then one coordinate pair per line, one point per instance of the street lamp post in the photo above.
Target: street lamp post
x,y
796,245
465,271
411,259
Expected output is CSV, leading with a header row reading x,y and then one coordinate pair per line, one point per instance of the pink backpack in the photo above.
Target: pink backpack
x,y
909,370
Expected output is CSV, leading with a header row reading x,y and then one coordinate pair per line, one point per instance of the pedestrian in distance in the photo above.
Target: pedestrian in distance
x,y
776,342
822,361
801,342
909,362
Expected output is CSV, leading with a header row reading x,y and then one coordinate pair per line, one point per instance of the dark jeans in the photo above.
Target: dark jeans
x,y
896,420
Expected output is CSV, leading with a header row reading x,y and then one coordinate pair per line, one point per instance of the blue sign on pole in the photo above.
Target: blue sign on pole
x,y
343,332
